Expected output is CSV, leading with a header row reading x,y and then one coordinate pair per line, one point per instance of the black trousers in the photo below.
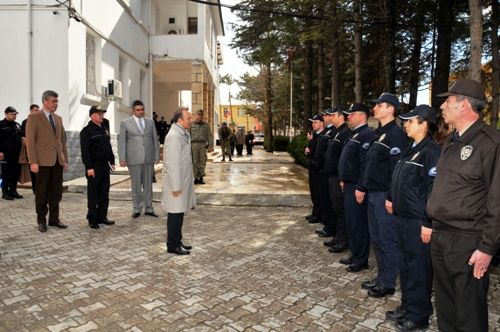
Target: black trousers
x,y
325,204
356,222
10,176
415,270
313,190
174,230
239,149
48,193
461,299
249,149
98,192
337,201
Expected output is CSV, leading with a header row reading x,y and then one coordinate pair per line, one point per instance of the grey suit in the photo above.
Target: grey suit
x,y
139,151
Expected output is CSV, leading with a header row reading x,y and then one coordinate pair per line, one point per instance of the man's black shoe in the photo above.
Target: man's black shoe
x,y
93,225
42,228
330,243
346,261
196,181
186,246
338,248
136,215
107,222
322,233
314,220
58,225
308,217
178,251
396,315
16,195
380,291
151,214
154,179
408,325
369,284
201,181
356,267
7,197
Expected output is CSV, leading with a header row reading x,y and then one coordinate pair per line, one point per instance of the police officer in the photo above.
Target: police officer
x,y
327,215
381,158
98,157
10,148
312,137
411,185
335,146
465,211
201,139
351,165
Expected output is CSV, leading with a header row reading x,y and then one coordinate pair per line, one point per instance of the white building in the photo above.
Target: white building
x,y
149,49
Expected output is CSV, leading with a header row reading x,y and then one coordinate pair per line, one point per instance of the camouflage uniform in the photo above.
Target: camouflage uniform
x,y
201,139
225,142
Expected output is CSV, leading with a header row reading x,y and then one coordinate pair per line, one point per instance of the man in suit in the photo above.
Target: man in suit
x,y
48,157
139,150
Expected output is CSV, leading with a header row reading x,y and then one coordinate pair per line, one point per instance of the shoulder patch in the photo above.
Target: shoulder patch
x,y
395,151
433,171
366,146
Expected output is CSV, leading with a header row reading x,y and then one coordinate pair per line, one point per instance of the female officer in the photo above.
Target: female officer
x,y
411,185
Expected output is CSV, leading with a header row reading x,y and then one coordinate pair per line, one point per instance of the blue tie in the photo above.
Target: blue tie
x,y
51,120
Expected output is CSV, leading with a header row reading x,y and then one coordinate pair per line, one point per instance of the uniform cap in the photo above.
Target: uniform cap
x,y
316,117
358,107
466,87
424,111
200,112
335,109
95,109
387,97
11,109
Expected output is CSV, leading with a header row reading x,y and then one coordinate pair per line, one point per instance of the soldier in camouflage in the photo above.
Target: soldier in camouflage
x,y
201,140
225,141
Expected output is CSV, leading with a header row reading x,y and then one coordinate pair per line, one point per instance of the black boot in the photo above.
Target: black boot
x,y
200,180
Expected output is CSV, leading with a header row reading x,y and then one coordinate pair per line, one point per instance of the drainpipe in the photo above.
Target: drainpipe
x,y
30,53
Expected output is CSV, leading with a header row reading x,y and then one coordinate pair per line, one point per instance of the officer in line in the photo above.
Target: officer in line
x,y
327,215
351,166
98,157
10,149
201,140
411,185
465,211
317,127
342,132
381,158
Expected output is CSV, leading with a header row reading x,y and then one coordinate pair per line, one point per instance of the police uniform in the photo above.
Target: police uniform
x,y
332,158
411,185
381,157
315,215
327,215
351,165
97,154
10,146
465,211
201,139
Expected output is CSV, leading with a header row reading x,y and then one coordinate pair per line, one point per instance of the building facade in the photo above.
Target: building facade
x,y
237,116
109,53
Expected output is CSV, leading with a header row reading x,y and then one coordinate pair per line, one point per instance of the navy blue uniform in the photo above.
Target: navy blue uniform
x,y
351,166
312,189
411,185
10,146
97,154
382,155
332,158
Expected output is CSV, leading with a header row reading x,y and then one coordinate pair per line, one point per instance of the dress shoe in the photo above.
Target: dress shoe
x,y
322,233
16,195
380,291
230,159
356,267
7,197
314,220
408,325
186,246
93,224
106,222
178,251
154,179
308,217
330,243
396,315
58,225
369,284
346,261
223,159
136,215
42,228
151,214
338,248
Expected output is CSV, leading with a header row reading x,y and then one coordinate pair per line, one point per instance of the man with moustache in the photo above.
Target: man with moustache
x,y
312,137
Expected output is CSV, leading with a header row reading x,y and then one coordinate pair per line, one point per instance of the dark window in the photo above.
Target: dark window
x,y
171,20
192,25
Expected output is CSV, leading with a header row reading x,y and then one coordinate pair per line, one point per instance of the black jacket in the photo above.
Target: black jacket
x,y
318,160
412,180
334,149
95,145
10,140
383,153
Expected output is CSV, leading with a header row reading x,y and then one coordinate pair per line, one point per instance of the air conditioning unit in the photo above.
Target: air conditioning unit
x,y
115,88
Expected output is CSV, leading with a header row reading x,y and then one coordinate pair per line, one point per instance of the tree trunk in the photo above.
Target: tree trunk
x,y
495,73
269,114
443,54
308,70
357,52
476,38
390,49
415,57
335,59
321,76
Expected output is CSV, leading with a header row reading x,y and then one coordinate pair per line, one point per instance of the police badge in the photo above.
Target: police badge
x,y
465,152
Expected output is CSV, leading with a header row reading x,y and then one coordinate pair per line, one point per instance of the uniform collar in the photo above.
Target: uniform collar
x,y
359,128
387,127
470,133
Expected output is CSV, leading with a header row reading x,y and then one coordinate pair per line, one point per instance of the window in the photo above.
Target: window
x,y
171,20
91,86
241,112
192,25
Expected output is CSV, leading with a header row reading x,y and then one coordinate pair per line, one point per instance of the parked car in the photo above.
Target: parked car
x,y
258,139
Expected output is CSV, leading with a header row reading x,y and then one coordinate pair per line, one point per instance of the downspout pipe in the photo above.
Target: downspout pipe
x,y
30,52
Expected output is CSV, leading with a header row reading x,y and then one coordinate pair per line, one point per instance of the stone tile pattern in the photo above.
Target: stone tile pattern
x,y
252,269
